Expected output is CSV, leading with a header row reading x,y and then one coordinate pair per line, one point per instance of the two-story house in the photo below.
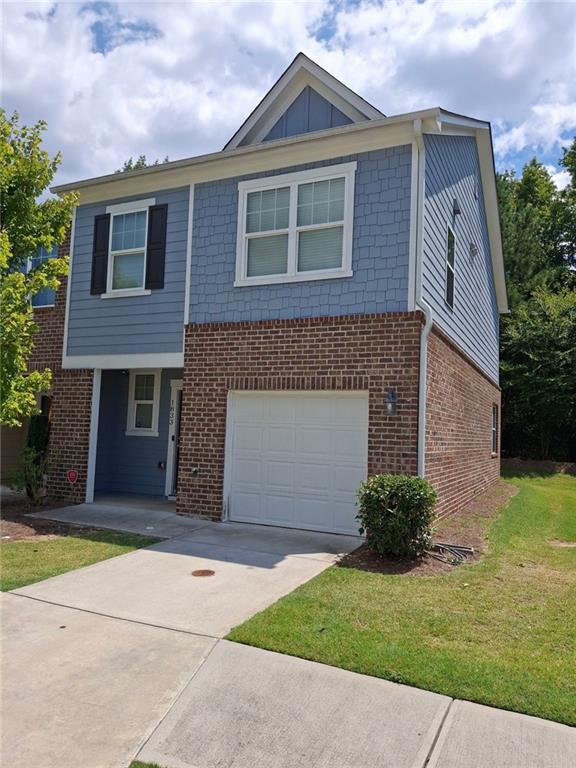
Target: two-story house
x,y
254,331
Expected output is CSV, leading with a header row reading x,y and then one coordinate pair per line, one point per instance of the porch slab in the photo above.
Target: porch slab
x,y
85,690
154,520
247,707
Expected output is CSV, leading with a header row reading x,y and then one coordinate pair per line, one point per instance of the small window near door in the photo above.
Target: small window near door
x,y
494,429
143,403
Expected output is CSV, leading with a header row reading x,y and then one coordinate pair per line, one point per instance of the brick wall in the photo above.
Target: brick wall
x,y
71,400
364,352
459,460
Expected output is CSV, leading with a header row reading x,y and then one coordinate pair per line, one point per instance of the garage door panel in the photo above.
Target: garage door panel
x,y
297,459
348,442
247,437
311,440
313,477
279,474
247,506
279,509
247,472
281,439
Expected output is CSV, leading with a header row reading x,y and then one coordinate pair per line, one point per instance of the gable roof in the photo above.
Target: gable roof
x,y
301,73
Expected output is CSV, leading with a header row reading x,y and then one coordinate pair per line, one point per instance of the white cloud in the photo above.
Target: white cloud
x,y
560,177
203,67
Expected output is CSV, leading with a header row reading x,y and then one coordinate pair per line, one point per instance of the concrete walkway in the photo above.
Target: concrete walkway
x,y
124,657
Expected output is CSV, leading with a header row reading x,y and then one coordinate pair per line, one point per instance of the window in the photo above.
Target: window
x,y
450,253
494,429
143,403
128,244
46,297
296,226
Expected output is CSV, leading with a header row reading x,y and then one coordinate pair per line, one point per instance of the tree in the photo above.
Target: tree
x,y
138,164
538,337
26,170
539,376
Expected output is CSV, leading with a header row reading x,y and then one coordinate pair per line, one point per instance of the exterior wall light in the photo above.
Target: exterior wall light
x,y
391,402
455,208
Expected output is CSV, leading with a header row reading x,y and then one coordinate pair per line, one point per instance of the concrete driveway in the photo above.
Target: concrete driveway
x,y
253,566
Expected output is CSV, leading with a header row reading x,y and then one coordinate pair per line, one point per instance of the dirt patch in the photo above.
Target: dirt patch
x,y
15,526
563,544
466,527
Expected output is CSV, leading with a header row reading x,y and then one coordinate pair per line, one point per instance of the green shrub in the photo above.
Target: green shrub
x,y
38,433
31,475
396,512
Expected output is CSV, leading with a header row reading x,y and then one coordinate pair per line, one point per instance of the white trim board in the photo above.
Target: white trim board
x,y
93,439
69,287
188,255
126,361
176,385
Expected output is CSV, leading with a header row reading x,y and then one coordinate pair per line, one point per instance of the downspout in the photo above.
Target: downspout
x,y
419,300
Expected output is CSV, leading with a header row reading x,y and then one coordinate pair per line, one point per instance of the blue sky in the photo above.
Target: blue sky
x,y
115,80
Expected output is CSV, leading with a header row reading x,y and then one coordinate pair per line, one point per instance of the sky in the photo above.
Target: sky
x,y
117,80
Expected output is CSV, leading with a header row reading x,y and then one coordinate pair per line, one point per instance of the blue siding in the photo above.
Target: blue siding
x,y
379,251
127,464
136,324
308,112
452,171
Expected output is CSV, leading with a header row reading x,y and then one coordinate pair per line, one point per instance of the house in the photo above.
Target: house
x,y
253,331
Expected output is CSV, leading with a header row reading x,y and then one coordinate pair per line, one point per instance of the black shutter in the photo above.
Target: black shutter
x,y
100,253
156,254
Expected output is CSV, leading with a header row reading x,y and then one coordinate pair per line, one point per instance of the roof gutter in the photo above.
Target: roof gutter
x,y
419,300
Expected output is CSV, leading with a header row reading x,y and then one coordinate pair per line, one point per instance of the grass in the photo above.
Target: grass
x,y
500,632
28,561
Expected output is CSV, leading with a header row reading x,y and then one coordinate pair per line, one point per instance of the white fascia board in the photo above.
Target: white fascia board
x,y
199,168
125,362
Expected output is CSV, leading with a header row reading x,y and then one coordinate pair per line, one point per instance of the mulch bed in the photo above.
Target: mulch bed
x,y
15,526
466,527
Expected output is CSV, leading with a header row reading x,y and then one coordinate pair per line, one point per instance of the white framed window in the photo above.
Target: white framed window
x,y
127,247
450,268
296,226
143,402
494,429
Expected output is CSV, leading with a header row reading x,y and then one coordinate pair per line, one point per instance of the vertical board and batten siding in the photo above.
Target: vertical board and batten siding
x,y
451,169
381,233
135,324
124,463
308,112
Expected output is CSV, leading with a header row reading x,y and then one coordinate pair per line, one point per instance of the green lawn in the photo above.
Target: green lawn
x,y
501,632
28,561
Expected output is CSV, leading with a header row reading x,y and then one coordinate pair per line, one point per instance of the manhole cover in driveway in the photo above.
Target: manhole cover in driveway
x,y
203,572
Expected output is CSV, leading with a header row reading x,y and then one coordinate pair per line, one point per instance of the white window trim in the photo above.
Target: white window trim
x,y
136,206
131,430
450,268
292,180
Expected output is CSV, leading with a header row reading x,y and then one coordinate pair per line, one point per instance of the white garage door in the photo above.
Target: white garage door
x,y
296,459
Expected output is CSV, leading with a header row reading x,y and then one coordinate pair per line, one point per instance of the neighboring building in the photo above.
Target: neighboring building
x,y
254,331
14,438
